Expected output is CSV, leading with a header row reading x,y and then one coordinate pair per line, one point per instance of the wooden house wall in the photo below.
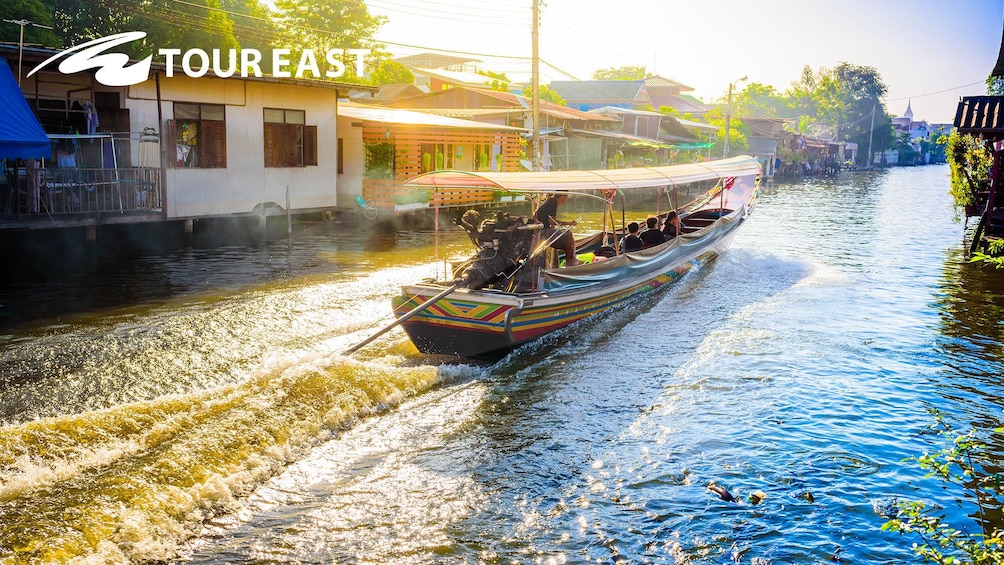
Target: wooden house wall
x,y
408,142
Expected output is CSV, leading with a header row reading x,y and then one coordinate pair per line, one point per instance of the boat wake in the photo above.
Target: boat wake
x,y
133,482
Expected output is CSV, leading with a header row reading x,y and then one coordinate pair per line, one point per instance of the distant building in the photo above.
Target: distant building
x,y
906,124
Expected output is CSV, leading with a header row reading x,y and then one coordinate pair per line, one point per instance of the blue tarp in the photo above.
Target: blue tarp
x,y
21,136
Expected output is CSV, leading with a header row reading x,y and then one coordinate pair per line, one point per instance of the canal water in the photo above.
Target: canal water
x,y
193,407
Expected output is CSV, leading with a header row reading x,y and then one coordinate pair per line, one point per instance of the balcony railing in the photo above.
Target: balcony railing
x,y
88,175
51,192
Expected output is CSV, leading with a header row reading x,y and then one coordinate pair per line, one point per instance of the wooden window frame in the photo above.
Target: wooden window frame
x,y
211,139
289,144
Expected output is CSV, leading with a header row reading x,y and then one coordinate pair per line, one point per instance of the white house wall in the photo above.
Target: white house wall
x,y
245,183
350,181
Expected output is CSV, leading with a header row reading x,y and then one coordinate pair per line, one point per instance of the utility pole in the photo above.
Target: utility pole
x,y
728,116
20,42
535,87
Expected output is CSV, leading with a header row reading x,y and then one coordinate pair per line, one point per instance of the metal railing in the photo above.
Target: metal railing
x,y
82,191
88,174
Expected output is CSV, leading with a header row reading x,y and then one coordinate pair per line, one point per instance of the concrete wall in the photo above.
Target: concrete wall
x,y
245,183
350,182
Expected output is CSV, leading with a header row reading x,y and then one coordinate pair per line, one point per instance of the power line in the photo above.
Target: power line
x,y
451,9
938,92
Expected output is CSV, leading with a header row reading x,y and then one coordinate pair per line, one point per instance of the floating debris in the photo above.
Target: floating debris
x,y
757,496
721,491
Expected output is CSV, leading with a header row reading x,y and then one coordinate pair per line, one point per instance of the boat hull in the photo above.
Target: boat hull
x,y
489,324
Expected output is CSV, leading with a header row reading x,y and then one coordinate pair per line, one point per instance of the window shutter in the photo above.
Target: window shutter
x,y
310,145
271,140
291,151
172,143
213,146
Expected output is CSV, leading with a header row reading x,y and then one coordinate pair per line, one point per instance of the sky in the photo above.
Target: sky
x,y
929,53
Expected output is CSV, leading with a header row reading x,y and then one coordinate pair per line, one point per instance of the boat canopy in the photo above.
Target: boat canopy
x,y
579,181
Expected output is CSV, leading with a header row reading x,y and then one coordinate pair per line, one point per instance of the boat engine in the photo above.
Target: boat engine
x,y
503,242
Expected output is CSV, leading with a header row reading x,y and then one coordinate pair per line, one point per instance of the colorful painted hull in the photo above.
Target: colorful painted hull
x,y
488,324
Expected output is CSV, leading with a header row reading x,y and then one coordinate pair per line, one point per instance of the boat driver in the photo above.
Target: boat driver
x,y
547,214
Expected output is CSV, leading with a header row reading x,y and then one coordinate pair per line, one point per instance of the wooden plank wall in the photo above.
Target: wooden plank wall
x,y
408,142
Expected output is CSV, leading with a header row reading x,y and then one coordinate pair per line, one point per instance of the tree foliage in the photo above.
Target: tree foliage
x,y
385,71
995,86
836,103
207,24
630,72
759,100
199,23
969,160
324,24
737,132
34,11
965,467
546,93
499,81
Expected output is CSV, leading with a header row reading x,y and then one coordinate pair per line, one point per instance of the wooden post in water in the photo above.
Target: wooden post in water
x,y
263,224
289,216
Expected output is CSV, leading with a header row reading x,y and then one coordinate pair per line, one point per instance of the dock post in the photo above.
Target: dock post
x,y
289,217
189,232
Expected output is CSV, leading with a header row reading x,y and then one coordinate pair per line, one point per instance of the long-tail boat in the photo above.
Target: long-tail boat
x,y
515,288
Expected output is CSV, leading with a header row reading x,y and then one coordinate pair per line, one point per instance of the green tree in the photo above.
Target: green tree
x,y
861,90
77,21
199,23
499,81
620,73
325,24
34,11
546,93
844,98
385,71
252,26
737,132
995,86
759,100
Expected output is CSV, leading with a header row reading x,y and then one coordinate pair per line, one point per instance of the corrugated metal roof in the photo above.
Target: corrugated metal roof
x,y
680,104
628,138
600,91
615,111
513,101
411,118
695,125
658,81
455,77
434,60
761,145
393,91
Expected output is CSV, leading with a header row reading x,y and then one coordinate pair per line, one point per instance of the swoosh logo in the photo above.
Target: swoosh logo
x,y
113,68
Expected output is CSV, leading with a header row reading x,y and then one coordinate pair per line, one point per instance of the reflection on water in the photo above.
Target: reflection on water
x,y
191,405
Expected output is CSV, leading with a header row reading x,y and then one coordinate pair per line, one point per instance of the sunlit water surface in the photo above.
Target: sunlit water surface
x,y
207,416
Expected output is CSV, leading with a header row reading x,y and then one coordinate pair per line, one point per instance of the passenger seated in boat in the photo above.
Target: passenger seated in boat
x,y
672,227
652,236
631,241
547,214
606,252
